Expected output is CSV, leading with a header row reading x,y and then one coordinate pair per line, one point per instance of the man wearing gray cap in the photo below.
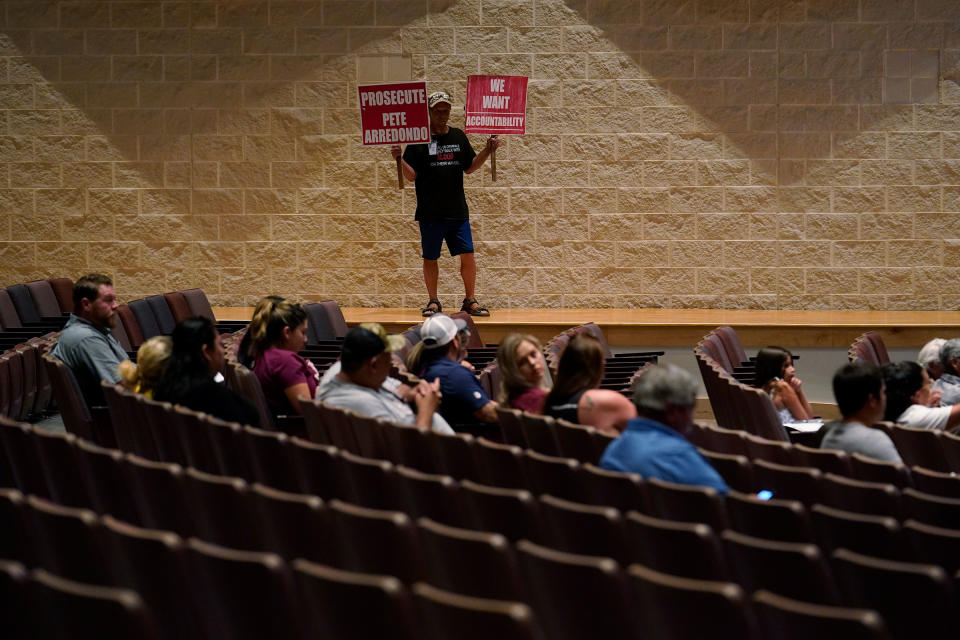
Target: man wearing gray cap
x,y
436,170
464,403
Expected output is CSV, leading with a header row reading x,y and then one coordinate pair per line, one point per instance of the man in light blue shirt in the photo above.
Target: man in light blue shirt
x,y
653,444
85,343
949,381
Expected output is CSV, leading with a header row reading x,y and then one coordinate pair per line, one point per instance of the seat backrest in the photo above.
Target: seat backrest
x,y
883,357
511,512
9,318
915,600
500,464
736,470
162,313
65,608
76,414
476,563
665,603
685,503
58,461
935,545
23,302
451,616
577,596
199,304
789,619
178,306
875,535
794,569
625,491
792,483
249,386
688,549
475,341
864,497
375,541
583,528
337,321
920,447
243,594
63,290
939,511
319,326
145,318
732,344
872,470
44,298
131,327
66,540
863,350
338,604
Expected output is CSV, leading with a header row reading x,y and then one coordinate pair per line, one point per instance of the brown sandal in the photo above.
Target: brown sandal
x,y
478,311
429,310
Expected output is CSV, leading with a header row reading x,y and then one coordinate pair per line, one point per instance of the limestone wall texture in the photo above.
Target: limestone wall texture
x,y
680,153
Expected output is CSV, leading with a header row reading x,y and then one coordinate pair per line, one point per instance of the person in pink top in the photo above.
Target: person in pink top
x,y
278,331
522,368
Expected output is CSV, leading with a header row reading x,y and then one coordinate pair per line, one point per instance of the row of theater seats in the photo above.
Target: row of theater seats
x,y
735,404
225,511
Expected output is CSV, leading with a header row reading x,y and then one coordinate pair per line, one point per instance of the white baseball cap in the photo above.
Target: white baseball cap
x,y
439,329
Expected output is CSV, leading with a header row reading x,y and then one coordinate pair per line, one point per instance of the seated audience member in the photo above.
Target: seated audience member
x,y
775,375
654,444
85,343
912,402
574,396
277,333
152,358
522,367
858,389
245,354
948,384
360,384
197,355
464,404
929,358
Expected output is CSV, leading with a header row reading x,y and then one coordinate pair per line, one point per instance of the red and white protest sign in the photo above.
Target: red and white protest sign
x,y
496,104
394,113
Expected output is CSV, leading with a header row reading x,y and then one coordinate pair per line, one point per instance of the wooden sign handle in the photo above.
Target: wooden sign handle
x,y
399,173
493,163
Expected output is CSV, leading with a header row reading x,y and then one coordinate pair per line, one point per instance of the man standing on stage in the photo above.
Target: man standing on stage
x,y
437,170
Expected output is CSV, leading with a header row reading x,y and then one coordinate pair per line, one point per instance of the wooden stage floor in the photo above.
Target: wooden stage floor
x,y
685,327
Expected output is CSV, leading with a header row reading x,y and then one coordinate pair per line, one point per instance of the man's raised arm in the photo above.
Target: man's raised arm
x,y
480,158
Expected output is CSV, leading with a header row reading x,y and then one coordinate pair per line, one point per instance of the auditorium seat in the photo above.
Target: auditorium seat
x,y
450,616
872,470
151,562
21,459
576,596
500,464
161,313
557,476
367,481
410,446
687,549
475,563
775,519
935,482
45,300
338,604
243,594
735,470
951,448
58,462
586,529
428,495
63,608
293,525
939,511
178,306
63,290
791,483
146,319
147,479
15,536
65,540
511,512
859,496
578,441
934,545
915,600
686,503
625,491
131,326
316,467
538,431
375,541
104,480
875,535
269,458
220,511
131,430
827,460
666,604
14,601
789,619
920,447
792,569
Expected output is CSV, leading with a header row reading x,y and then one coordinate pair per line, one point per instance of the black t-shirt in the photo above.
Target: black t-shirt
x,y
218,401
439,182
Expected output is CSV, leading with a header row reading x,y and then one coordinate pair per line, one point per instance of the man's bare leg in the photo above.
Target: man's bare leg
x,y
468,271
431,274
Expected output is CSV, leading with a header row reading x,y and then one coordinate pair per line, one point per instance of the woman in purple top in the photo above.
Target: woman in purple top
x,y
522,368
277,332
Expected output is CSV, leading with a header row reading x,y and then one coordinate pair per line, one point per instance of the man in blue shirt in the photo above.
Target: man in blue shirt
x,y
653,444
465,405
86,344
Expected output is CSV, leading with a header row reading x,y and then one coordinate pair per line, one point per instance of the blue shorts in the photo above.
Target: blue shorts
x,y
455,232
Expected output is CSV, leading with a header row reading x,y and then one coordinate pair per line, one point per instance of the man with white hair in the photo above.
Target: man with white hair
x,y
949,381
929,358
654,444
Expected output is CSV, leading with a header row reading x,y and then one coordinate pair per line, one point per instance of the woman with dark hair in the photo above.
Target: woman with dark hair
x,y
910,400
775,375
575,396
522,367
277,333
196,356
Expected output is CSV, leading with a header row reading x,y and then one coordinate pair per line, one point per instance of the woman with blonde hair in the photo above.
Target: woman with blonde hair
x,y
575,396
277,332
522,367
152,358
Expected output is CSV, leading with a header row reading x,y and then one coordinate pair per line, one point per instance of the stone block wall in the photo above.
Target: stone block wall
x,y
680,153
